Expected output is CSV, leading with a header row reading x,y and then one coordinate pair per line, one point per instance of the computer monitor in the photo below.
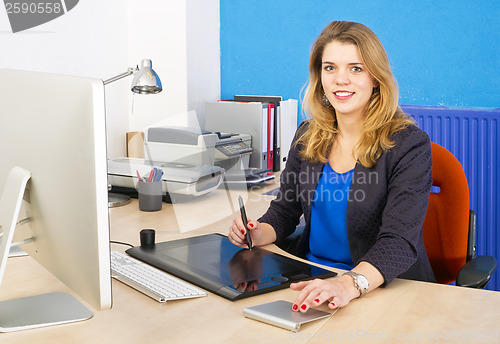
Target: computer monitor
x,y
53,126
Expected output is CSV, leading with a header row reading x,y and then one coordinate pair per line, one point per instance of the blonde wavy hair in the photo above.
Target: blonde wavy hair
x,y
383,118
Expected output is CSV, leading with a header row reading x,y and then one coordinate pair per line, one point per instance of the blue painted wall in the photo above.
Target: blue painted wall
x,y
443,53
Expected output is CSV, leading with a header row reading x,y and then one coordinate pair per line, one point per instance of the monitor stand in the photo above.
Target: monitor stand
x,y
40,311
33,311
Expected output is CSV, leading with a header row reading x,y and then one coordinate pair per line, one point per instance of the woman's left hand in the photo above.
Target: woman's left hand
x,y
337,292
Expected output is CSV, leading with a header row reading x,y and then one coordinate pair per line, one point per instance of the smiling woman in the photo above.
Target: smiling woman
x,y
356,129
362,54
347,85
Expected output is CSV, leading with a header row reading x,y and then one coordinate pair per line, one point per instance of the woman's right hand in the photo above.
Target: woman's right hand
x,y
237,232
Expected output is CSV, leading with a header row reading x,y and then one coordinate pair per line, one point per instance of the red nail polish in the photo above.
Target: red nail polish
x,y
295,307
333,304
317,300
303,307
250,225
242,231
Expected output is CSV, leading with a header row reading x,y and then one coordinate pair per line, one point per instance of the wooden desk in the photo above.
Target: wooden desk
x,y
406,311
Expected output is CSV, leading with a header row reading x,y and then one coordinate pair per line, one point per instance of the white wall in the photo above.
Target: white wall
x,y
185,50
203,54
103,38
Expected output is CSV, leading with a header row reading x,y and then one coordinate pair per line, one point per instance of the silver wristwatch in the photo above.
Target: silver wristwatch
x,y
360,282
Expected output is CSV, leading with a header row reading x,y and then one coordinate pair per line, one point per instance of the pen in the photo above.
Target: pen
x,y
245,222
151,174
138,175
158,176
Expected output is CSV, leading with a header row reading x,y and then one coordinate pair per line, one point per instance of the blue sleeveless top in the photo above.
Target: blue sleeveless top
x,y
328,238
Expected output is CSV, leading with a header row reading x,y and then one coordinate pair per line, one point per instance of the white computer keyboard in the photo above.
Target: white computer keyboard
x,y
149,280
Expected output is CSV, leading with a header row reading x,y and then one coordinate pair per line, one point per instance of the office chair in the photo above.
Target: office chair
x,y
450,226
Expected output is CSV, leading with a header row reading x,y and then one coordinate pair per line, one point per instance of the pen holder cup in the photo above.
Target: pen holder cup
x,y
150,196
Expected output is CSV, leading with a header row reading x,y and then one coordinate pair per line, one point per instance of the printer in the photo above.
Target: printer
x,y
195,146
198,147
184,158
178,179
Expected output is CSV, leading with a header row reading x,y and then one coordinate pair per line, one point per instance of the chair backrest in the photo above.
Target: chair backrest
x,y
446,225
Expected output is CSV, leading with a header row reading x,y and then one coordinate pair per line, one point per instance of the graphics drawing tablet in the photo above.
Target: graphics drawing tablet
x,y
213,263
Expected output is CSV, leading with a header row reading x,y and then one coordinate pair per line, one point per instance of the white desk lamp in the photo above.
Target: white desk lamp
x,y
145,81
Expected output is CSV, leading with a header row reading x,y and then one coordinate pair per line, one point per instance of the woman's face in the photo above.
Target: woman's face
x,y
346,82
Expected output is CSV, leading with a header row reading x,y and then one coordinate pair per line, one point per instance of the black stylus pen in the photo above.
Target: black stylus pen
x,y
245,222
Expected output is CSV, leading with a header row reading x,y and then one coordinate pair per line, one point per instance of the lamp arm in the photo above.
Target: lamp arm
x,y
129,71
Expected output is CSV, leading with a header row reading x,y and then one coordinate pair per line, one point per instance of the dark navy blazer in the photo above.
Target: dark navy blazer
x,y
386,207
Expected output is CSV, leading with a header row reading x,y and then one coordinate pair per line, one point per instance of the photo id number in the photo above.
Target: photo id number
x,y
32,8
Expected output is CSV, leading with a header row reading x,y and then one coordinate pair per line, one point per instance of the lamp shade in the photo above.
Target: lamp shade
x,y
146,81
